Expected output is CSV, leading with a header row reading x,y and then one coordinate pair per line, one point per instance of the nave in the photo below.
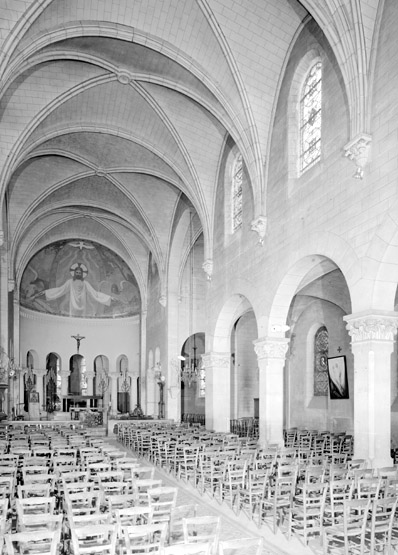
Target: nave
x,y
76,490
61,485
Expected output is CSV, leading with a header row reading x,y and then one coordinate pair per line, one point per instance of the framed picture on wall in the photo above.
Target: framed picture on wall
x,y
338,382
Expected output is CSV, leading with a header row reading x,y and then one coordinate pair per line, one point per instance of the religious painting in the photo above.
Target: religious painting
x,y
79,279
338,382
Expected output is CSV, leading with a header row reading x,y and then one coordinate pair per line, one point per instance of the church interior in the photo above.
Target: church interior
x,y
199,215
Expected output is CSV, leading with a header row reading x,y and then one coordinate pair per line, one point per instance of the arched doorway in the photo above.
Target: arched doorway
x,y
53,383
192,378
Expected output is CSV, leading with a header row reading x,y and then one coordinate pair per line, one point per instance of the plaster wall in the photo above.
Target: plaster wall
x,y
307,410
43,334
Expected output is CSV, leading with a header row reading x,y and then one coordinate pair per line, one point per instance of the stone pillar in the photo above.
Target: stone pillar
x,y
133,390
40,388
271,353
218,391
113,388
90,374
372,342
142,394
151,407
64,381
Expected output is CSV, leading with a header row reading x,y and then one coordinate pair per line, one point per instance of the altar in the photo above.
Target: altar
x,y
73,402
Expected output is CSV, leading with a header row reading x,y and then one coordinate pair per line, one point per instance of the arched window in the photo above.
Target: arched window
x,y
236,193
311,118
321,350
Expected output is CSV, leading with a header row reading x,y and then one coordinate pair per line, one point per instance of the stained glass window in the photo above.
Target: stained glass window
x,y
311,118
321,350
237,174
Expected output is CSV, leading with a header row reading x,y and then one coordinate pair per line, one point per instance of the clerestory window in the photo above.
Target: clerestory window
x,y
311,118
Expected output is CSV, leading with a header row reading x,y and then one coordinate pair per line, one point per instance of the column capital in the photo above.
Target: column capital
x,y
271,347
372,326
39,371
220,360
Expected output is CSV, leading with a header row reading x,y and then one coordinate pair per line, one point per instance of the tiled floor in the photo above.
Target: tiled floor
x,y
232,525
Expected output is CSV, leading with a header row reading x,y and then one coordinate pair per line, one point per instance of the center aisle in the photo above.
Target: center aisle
x,y
232,525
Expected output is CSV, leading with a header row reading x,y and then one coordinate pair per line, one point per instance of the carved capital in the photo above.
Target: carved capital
x,y
216,360
163,300
271,347
208,268
1,238
372,327
358,150
11,285
259,225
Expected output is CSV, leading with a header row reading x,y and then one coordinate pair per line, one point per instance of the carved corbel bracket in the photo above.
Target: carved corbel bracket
x,y
358,151
259,225
208,268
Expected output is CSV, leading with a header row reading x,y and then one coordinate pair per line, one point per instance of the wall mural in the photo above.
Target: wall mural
x,y
79,279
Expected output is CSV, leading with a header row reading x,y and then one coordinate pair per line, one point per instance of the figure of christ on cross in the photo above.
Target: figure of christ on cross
x,y
78,338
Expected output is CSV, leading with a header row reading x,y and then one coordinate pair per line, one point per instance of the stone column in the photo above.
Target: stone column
x,y
218,391
90,374
64,385
372,342
40,388
271,352
133,389
113,388
142,394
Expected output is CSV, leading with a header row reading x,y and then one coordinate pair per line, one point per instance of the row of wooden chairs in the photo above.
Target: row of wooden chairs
x,y
81,507
305,493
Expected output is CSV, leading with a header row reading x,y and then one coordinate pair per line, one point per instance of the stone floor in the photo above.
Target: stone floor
x,y
233,525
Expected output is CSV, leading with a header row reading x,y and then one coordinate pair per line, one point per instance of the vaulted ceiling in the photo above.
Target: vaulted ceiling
x,y
115,114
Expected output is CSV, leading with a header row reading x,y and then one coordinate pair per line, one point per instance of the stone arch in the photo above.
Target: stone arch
x,y
382,259
234,307
323,249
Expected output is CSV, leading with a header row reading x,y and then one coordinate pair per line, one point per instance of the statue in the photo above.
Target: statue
x,y
34,396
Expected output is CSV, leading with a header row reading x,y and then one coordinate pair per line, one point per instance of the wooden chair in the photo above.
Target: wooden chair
x,y
114,488
29,522
123,501
141,488
368,488
379,529
339,491
307,513
143,473
348,537
162,500
234,480
83,503
94,539
278,501
176,533
188,466
132,516
44,542
5,516
251,495
144,538
188,549
252,546
34,490
202,529
34,506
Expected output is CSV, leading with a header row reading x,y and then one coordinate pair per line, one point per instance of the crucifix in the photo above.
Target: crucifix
x,y
78,338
